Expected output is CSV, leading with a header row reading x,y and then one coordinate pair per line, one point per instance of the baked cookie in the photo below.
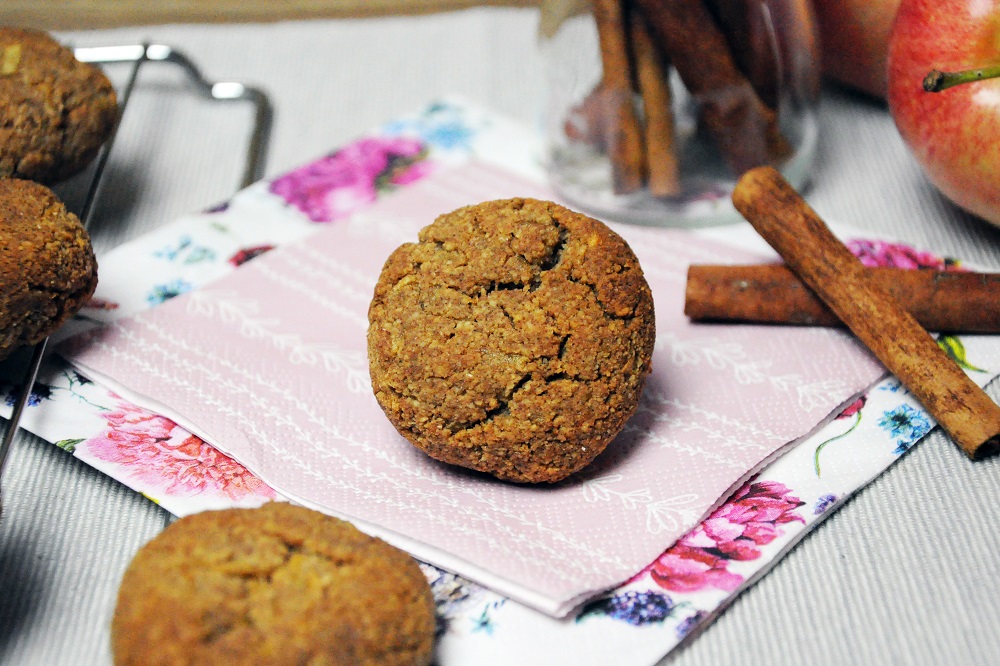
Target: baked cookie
x,y
55,111
513,339
47,265
280,584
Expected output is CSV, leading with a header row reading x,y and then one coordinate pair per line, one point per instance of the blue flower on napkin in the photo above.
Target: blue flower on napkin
x,y
688,624
38,393
443,125
905,425
633,607
164,292
824,503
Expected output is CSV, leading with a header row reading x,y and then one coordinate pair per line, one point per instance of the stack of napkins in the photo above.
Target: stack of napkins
x,y
269,365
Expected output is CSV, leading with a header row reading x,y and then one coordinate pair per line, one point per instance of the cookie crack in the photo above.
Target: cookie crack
x,y
221,626
556,253
508,315
562,347
442,247
552,260
495,286
597,299
560,371
502,408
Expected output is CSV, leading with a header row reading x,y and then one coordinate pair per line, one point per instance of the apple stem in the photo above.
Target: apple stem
x,y
936,80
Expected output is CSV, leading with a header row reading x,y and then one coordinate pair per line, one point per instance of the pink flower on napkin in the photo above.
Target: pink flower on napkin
x,y
853,408
875,253
683,568
351,178
159,453
734,531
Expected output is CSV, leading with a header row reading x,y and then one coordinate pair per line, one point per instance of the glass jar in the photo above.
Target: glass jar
x,y
655,108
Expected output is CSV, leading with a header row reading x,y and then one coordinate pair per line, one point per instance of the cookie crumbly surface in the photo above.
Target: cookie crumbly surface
x,y
276,585
55,111
514,338
47,265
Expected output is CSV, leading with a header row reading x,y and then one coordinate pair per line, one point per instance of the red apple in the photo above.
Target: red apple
x,y
954,134
854,38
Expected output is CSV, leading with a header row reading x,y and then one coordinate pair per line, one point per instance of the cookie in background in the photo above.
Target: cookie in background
x,y
47,265
55,111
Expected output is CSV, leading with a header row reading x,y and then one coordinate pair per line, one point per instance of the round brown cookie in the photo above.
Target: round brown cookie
x,y
55,111
47,265
276,585
513,339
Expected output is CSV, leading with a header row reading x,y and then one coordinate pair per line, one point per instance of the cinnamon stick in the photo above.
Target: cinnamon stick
x,y
623,136
744,127
658,119
753,42
823,263
947,301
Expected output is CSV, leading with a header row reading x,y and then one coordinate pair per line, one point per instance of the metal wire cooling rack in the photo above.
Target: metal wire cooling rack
x,y
138,55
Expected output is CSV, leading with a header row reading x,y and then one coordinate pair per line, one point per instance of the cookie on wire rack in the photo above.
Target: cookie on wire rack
x,y
55,111
514,339
47,265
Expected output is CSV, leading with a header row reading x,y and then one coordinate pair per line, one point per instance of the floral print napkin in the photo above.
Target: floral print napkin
x,y
637,622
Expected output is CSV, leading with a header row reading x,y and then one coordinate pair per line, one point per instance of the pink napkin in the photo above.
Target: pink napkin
x,y
269,365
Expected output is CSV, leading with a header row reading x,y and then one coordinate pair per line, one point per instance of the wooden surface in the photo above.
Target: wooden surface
x,y
84,14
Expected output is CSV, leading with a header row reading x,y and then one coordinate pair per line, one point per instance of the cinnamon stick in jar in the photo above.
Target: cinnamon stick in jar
x,y
753,40
623,134
742,126
843,283
947,301
652,76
